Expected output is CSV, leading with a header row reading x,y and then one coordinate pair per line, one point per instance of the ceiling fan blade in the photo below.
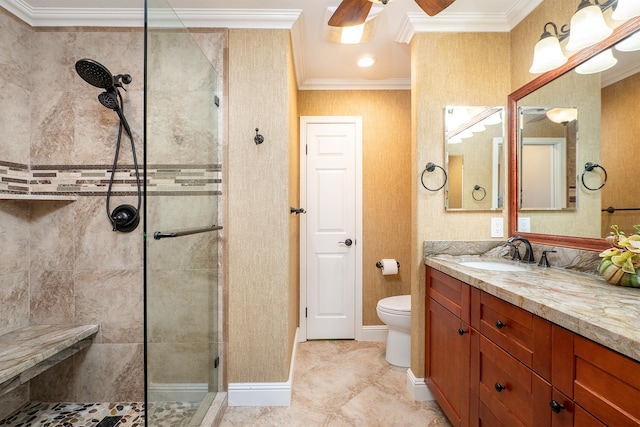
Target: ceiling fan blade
x,y
434,7
350,12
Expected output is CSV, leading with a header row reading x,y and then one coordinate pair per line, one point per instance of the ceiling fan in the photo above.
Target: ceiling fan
x,y
355,12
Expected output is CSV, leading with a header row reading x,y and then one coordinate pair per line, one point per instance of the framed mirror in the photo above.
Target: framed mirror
x,y
602,141
474,158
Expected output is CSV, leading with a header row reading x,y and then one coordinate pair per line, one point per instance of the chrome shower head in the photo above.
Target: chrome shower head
x,y
95,73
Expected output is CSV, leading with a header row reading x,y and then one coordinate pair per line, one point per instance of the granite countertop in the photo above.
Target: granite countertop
x,y
24,348
580,302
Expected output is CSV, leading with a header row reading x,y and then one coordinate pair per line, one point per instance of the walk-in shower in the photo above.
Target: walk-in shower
x,y
149,305
125,217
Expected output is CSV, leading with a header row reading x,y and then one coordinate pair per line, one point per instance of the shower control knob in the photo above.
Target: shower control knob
x,y
347,242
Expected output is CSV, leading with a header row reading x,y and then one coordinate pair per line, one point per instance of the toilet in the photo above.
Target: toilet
x,y
395,312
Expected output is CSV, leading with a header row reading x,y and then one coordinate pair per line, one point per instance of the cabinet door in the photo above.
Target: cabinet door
x,y
510,390
562,410
607,384
447,367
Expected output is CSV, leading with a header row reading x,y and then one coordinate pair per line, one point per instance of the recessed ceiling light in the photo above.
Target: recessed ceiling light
x,y
366,61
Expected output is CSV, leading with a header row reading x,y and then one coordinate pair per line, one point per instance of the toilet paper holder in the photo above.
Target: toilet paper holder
x,y
379,264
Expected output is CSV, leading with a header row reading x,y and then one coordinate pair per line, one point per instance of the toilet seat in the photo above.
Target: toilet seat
x,y
398,305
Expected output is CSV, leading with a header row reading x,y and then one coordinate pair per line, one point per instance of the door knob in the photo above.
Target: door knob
x,y
347,242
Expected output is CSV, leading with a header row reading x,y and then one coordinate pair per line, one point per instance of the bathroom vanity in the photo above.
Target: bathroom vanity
x,y
530,346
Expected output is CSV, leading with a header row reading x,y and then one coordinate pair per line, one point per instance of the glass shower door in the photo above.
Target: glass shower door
x,y
181,248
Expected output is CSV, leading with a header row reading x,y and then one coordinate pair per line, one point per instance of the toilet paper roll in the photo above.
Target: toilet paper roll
x,y
389,266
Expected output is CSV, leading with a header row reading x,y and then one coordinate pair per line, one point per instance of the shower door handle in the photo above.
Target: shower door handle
x,y
347,242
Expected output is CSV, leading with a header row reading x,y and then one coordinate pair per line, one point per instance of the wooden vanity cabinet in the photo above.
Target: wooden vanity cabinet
x,y
606,384
490,363
448,336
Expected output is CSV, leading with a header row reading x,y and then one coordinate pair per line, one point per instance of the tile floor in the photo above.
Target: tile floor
x,y
336,383
343,383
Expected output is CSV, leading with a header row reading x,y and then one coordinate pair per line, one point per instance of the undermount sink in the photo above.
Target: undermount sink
x,y
493,265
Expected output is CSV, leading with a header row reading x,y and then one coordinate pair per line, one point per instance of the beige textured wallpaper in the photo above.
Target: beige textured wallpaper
x,y
620,153
386,122
259,226
294,201
447,69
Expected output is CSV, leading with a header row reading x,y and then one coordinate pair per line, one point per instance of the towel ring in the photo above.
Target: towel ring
x,y
588,167
430,168
477,188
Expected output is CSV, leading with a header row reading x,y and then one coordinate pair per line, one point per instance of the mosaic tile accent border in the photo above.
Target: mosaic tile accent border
x,y
14,178
93,180
169,414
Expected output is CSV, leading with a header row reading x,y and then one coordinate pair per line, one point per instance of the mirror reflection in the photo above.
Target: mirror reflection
x,y
607,102
474,158
548,141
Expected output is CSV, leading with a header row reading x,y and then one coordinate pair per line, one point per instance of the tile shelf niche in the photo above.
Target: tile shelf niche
x,y
38,197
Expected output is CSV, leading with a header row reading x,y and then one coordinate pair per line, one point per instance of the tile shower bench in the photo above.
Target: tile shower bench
x,y
29,351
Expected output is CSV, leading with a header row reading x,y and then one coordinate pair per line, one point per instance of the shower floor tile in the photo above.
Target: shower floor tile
x,y
174,414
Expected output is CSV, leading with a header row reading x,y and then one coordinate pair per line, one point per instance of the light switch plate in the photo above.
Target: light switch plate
x,y
524,224
497,227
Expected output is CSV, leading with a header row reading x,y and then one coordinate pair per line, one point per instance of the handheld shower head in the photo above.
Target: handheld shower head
x,y
94,73
109,100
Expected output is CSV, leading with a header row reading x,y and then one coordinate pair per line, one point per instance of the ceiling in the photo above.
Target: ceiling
x,y
319,63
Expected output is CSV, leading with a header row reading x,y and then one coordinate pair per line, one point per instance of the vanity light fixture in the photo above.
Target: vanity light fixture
x,y
547,53
562,115
630,44
588,26
626,9
494,119
601,62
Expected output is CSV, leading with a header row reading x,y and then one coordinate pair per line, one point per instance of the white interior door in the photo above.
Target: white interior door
x,y
331,228
543,173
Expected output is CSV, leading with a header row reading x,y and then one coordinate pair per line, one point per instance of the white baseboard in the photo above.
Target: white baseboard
x,y
264,394
418,388
374,333
177,392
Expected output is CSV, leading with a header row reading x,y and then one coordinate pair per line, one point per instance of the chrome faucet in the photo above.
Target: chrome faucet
x,y
528,253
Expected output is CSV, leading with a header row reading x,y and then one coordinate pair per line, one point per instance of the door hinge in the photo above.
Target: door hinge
x,y
306,312
306,149
216,362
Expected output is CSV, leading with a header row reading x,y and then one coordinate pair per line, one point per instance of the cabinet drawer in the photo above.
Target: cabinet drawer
x,y
525,336
607,384
451,293
512,392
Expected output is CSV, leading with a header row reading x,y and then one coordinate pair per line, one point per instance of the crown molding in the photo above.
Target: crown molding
x,y
355,84
134,17
418,22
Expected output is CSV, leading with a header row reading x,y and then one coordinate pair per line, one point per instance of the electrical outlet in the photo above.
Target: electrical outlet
x,y
524,224
497,227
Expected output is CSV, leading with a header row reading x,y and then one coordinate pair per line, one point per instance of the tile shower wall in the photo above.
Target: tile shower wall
x,y
61,262
68,266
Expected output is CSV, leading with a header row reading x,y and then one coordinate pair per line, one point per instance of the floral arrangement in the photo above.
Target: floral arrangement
x,y
620,264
